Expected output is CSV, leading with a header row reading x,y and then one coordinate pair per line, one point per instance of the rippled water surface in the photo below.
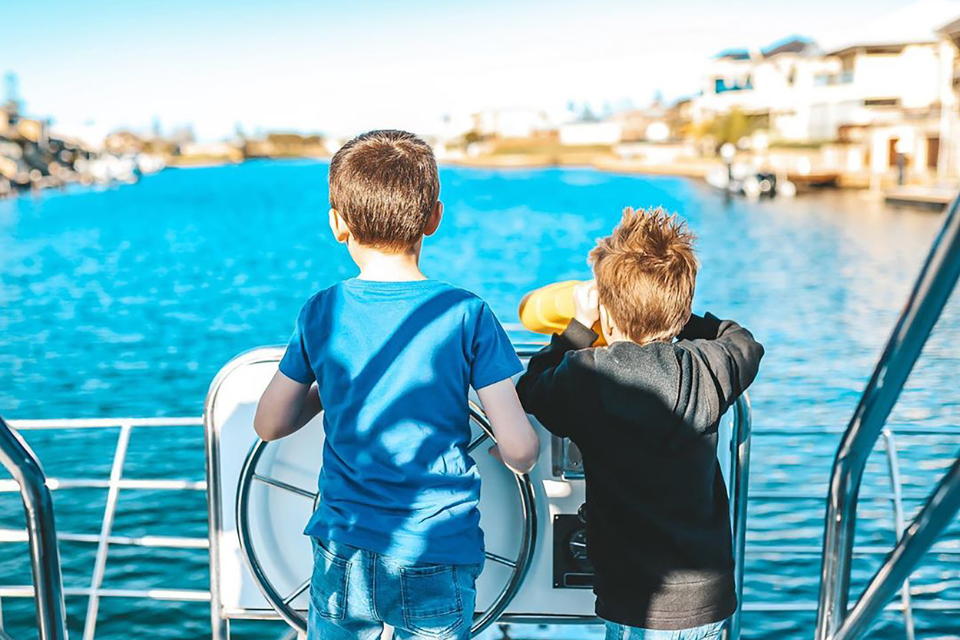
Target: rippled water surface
x,y
126,302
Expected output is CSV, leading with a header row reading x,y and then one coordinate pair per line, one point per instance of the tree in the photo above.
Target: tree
x,y
731,127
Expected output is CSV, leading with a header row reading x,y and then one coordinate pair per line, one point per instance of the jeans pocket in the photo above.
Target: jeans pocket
x,y
328,586
431,600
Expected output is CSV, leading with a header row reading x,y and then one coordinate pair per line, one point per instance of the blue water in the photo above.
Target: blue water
x,y
126,302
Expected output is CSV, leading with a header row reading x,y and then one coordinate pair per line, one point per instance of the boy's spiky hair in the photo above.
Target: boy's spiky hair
x,y
646,272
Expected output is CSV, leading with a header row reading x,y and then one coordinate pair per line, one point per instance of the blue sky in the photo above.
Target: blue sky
x,y
345,67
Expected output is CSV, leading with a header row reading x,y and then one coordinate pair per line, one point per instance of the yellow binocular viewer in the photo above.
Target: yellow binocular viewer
x,y
549,309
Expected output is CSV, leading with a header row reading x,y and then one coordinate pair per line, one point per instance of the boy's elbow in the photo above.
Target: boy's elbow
x,y
266,428
264,431
524,459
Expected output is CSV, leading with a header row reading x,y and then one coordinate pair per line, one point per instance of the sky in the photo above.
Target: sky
x,y
345,67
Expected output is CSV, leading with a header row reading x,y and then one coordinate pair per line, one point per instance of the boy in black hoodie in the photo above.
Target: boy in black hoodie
x,y
644,412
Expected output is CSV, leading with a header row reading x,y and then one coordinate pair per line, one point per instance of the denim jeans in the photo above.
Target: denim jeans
x,y
353,592
623,632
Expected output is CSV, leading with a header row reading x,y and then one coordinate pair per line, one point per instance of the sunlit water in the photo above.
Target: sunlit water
x,y
126,302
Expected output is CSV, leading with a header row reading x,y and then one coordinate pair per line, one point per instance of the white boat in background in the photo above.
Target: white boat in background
x,y
148,163
743,179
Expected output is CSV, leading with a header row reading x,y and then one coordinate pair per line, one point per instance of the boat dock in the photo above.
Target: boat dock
x,y
936,198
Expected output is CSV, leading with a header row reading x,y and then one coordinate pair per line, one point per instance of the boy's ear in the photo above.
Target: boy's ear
x,y
339,227
433,222
606,322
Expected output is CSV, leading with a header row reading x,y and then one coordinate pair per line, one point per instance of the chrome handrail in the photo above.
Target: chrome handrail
x,y
907,436
936,515
924,306
896,487
23,465
742,432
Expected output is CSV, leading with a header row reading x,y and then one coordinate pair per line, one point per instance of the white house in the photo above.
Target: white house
x,y
773,85
591,133
880,87
888,88
513,122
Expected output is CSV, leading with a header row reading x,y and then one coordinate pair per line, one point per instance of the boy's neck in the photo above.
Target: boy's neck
x,y
390,267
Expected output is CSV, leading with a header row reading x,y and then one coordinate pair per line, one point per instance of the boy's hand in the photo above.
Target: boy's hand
x,y
586,304
494,452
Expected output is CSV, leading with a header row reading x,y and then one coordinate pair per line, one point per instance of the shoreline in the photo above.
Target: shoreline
x,y
606,163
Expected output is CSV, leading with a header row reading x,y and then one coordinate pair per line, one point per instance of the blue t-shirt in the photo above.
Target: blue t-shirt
x,y
394,362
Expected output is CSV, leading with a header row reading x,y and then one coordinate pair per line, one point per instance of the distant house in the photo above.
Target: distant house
x,y
772,86
889,83
880,88
652,123
948,152
608,132
514,122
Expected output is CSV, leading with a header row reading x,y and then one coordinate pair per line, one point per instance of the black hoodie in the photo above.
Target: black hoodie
x,y
645,419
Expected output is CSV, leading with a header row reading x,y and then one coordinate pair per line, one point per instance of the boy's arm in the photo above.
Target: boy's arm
x,y
549,388
292,398
517,443
493,364
729,360
285,407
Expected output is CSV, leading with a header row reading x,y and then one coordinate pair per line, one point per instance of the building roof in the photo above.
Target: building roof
x,y
790,44
915,23
733,54
951,28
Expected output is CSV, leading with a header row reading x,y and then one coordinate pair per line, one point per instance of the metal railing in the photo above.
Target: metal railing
x,y
926,302
740,479
908,436
95,591
23,465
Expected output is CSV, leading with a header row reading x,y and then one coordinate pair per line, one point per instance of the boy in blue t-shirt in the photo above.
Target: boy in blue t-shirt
x,y
391,355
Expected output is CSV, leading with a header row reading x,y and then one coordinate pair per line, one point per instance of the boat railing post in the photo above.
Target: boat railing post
x,y
896,486
927,300
23,465
742,432
935,516
106,526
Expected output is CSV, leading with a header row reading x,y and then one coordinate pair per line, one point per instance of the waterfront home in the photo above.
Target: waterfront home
x,y
512,122
608,132
772,87
887,91
879,100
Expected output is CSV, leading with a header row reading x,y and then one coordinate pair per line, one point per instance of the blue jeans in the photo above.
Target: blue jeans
x,y
623,632
353,592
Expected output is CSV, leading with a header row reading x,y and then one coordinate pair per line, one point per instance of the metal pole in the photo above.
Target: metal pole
x,y
893,466
930,294
103,541
936,515
22,464
742,433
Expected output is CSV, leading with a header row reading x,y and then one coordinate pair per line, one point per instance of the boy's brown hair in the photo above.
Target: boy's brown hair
x,y
646,272
384,184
